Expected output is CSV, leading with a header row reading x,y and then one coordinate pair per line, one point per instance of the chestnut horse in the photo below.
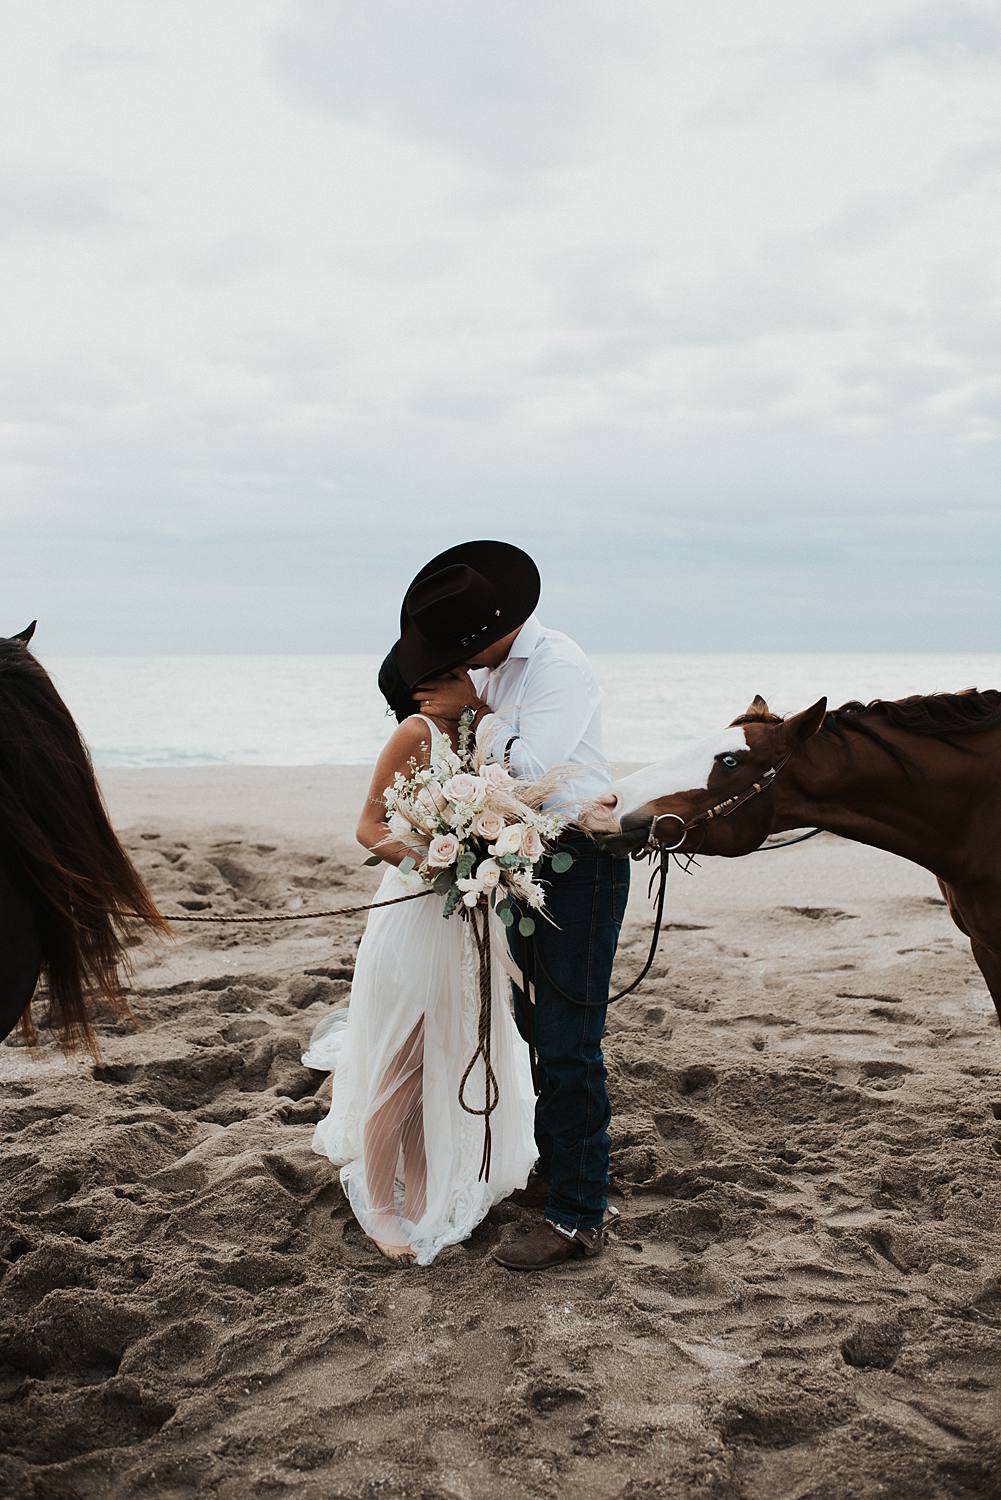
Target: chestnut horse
x,y
68,890
920,777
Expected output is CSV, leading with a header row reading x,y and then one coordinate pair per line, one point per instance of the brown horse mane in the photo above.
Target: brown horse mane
x,y
57,843
940,715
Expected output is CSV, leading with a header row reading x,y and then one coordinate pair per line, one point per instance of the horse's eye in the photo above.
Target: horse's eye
x,y
730,761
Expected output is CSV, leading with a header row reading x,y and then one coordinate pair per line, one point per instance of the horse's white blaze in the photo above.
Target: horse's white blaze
x,y
687,771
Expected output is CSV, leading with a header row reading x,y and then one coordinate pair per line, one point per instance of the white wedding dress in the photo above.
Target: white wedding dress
x,y
409,1154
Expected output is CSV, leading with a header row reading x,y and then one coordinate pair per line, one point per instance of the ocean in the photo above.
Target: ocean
x,y
326,710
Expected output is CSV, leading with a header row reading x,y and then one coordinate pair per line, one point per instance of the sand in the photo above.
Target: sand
x,y
802,1298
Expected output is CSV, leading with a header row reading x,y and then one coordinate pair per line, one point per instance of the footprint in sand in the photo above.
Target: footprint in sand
x,y
879,1074
825,915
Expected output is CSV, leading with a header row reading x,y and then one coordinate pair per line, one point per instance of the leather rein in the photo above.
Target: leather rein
x,y
661,855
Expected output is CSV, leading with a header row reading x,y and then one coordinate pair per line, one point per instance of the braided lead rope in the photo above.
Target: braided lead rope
x,y
491,1087
291,916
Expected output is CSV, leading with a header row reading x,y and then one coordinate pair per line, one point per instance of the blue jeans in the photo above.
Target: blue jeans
x,y
572,1111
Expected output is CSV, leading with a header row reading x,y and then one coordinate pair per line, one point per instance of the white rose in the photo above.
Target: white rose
x,y
465,788
489,825
443,851
488,874
510,839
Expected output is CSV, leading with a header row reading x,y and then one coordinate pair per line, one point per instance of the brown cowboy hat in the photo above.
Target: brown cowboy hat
x,y
461,601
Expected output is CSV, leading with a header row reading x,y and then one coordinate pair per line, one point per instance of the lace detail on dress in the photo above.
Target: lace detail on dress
x,y
398,1054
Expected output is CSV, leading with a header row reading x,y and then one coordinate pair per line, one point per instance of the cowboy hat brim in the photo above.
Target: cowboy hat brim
x,y
516,583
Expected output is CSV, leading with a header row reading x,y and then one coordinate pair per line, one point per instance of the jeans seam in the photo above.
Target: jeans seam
x,y
585,1011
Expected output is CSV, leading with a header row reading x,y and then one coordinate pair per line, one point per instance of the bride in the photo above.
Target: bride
x,y
409,1154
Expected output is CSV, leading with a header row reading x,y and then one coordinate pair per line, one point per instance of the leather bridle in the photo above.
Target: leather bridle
x,y
724,809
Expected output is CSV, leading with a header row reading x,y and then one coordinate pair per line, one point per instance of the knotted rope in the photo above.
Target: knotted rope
x,y
491,1087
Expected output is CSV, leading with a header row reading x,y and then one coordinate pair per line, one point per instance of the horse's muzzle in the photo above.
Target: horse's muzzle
x,y
626,841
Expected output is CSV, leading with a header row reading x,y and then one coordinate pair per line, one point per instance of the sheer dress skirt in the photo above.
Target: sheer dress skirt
x,y
409,1155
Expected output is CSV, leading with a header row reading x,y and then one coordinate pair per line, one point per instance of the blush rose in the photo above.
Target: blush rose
x,y
465,788
489,825
443,851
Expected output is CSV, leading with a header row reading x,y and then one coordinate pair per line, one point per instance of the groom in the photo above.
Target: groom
x,y
538,707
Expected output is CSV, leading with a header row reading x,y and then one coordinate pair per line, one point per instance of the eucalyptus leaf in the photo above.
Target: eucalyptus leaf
x,y
526,926
562,862
451,901
506,915
443,882
373,859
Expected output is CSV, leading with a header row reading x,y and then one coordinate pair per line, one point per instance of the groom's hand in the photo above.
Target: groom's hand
x,y
446,697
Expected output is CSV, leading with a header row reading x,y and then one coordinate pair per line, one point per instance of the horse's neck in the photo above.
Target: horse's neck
x,y
849,786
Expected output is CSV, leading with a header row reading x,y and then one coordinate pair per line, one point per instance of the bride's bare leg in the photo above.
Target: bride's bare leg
x,y
395,1126
415,1165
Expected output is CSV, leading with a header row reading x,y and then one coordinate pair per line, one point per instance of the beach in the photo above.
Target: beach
x,y
801,1299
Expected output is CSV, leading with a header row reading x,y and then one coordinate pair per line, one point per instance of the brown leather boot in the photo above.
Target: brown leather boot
x,y
545,1246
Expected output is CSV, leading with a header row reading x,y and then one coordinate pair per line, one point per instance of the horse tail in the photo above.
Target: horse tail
x,y
57,841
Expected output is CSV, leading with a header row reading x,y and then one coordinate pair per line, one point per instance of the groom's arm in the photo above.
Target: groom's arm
x,y
553,719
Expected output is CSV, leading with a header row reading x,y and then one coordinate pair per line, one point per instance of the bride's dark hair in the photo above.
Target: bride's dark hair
x,y
395,691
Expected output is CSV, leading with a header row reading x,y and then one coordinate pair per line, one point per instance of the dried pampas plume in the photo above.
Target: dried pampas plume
x,y
525,792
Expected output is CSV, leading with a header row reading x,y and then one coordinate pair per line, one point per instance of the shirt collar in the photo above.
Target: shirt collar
x,y
526,640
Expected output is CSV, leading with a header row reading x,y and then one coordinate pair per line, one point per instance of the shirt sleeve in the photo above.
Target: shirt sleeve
x,y
553,721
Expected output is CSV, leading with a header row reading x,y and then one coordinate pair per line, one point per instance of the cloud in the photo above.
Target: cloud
x,y
935,32
99,59
39,203
507,86
696,307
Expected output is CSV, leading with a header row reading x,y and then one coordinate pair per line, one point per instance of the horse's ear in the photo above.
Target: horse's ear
x,y
756,708
803,725
24,636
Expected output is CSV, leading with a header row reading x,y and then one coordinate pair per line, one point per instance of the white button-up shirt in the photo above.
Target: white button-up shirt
x,y
545,699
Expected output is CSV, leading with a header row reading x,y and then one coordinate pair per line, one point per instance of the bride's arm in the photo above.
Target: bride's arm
x,y
410,740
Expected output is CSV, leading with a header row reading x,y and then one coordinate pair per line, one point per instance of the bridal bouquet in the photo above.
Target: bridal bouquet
x,y
478,835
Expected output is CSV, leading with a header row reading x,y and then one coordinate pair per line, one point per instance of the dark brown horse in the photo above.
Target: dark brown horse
x,y
68,890
920,777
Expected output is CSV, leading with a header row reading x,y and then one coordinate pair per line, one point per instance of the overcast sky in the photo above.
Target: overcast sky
x,y
700,304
